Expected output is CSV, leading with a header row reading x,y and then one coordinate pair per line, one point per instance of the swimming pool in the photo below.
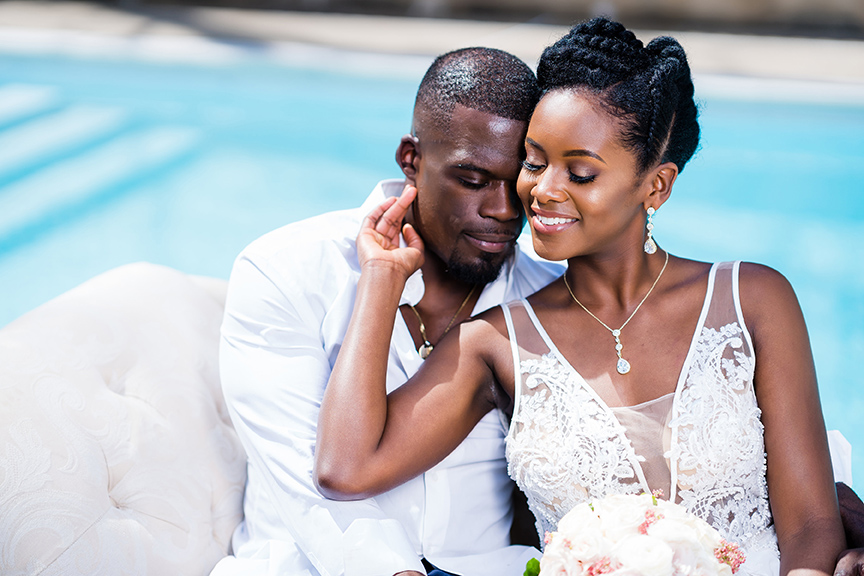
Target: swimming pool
x,y
109,160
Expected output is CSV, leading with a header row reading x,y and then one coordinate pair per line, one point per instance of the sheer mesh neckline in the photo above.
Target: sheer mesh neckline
x,y
644,405
682,374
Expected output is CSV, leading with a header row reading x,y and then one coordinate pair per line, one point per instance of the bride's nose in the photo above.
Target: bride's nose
x,y
550,186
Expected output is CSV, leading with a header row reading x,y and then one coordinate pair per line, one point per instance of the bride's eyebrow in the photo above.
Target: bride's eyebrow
x,y
534,144
568,153
583,152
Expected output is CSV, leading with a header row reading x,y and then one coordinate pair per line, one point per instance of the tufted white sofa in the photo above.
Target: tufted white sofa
x,y
116,453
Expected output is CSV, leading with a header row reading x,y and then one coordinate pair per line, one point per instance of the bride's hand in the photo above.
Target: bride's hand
x,y
378,240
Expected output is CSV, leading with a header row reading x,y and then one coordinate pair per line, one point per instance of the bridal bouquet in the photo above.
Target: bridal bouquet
x,y
629,535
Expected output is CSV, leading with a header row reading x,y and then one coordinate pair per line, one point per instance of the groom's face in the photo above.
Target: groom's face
x,y
467,210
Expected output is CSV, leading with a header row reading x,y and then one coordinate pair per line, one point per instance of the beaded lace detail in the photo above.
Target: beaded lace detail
x,y
720,453
561,421
565,445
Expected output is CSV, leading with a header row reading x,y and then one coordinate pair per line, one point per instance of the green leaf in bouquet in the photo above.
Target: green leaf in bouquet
x,y
532,568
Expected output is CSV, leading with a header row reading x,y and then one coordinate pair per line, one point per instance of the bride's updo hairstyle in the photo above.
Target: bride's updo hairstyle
x,y
648,88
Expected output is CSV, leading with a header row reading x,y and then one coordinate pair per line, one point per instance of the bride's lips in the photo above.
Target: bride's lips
x,y
493,243
550,222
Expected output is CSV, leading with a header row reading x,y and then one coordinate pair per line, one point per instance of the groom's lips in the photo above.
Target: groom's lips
x,y
491,242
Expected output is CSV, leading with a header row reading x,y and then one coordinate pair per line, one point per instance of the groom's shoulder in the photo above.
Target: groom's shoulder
x,y
323,245
318,241
312,242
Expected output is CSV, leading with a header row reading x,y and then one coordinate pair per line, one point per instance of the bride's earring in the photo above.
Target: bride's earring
x,y
650,246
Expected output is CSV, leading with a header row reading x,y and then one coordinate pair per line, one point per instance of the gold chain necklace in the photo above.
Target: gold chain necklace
x,y
427,347
623,365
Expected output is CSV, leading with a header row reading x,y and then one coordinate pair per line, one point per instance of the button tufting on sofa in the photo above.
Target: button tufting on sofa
x,y
116,452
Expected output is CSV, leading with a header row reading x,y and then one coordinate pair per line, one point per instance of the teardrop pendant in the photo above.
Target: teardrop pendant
x,y
650,246
623,366
425,350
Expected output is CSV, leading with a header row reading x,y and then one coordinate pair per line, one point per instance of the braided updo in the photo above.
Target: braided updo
x,y
648,88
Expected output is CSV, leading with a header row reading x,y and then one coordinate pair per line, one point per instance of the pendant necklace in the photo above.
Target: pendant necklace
x,y
623,365
426,347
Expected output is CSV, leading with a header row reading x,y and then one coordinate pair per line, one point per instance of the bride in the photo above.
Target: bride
x,y
636,370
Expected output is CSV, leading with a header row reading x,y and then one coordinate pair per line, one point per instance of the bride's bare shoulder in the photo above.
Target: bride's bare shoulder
x,y
767,299
763,286
488,325
487,333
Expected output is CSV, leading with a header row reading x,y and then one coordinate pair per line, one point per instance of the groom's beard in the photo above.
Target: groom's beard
x,y
478,270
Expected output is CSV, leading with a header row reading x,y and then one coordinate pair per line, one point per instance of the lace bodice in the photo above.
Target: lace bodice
x,y
566,446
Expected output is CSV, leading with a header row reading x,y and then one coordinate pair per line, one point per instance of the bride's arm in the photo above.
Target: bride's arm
x,y
800,482
368,442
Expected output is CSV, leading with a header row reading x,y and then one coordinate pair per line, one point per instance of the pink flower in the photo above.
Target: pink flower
x,y
731,554
651,517
601,566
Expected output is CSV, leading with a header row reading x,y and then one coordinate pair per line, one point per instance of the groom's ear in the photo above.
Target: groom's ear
x,y
407,156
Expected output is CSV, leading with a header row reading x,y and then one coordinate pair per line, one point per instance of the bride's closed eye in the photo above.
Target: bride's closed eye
x,y
576,179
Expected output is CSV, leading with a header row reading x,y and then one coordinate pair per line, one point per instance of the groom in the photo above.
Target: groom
x,y
290,297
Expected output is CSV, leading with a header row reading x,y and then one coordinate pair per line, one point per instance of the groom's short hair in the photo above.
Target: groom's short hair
x,y
484,79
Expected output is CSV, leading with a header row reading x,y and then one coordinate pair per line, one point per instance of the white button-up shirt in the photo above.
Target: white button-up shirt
x,y
290,298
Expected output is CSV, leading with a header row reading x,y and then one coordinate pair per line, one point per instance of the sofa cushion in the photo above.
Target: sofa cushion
x,y
117,455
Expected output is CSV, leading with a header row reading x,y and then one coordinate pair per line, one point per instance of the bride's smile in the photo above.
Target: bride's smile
x,y
580,185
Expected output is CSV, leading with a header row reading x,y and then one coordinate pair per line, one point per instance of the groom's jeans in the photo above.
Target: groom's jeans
x,y
433,571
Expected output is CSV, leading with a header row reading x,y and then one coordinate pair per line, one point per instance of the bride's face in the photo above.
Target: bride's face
x,y
580,187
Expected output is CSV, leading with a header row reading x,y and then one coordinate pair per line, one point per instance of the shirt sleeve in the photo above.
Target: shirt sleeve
x,y
274,369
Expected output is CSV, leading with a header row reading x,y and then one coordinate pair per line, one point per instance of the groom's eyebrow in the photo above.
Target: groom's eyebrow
x,y
473,168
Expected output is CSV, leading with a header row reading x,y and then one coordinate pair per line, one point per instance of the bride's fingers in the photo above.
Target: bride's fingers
x,y
375,215
412,239
391,221
409,193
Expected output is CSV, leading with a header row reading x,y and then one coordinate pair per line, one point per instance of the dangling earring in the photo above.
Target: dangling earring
x,y
650,246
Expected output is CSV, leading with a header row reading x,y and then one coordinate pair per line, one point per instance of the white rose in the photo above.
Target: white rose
x,y
569,551
695,561
581,519
645,555
589,547
622,515
555,565
689,534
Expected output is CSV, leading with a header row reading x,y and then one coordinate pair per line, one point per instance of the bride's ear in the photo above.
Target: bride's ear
x,y
662,179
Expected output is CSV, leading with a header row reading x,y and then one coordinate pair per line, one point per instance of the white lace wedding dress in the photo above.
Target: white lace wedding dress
x,y
702,445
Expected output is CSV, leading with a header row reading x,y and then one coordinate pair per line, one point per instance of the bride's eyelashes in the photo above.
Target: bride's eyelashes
x,y
531,167
575,178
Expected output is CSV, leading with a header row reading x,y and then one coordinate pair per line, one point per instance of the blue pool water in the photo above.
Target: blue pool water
x,y
105,161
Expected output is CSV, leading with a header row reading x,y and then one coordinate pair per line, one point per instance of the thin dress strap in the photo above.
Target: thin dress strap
x,y
736,296
517,372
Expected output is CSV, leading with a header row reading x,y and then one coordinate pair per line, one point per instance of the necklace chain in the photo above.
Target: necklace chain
x,y
623,365
427,347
